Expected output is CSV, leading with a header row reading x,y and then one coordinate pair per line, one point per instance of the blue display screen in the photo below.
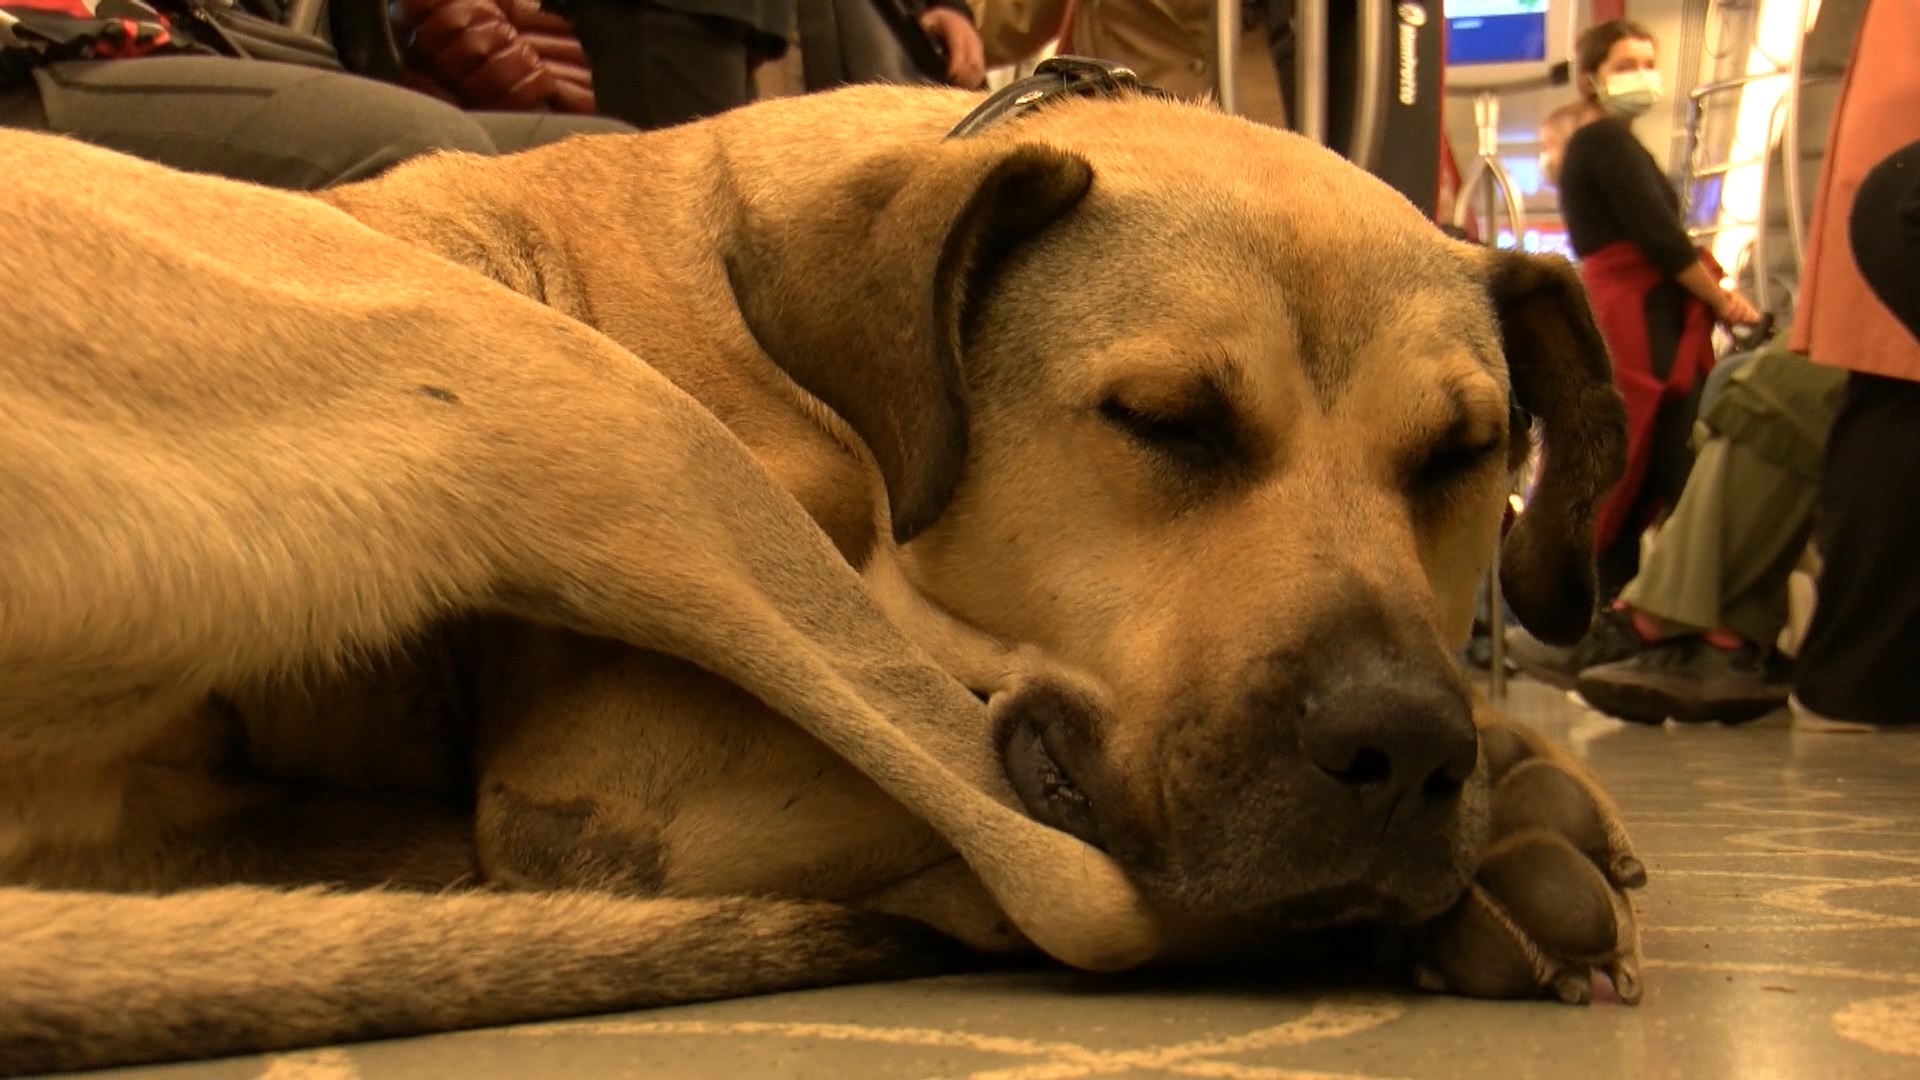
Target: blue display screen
x,y
1496,32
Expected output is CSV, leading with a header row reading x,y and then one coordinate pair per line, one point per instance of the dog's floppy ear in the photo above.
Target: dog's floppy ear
x,y
862,300
1561,374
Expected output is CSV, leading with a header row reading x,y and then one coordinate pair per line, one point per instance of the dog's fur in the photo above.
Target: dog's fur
x,y
641,522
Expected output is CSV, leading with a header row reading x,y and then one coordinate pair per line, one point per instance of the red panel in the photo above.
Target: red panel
x,y
1608,9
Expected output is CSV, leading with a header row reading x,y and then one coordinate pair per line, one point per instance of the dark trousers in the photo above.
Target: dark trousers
x,y
654,67
1861,658
1670,464
282,125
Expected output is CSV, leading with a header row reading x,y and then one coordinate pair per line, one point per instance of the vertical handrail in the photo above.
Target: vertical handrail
x,y
1310,70
1486,116
1762,269
1488,170
1226,55
1369,109
304,16
1790,145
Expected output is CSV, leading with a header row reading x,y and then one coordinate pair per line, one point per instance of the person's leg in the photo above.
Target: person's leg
x,y
1858,663
282,125
1856,666
1714,595
1619,562
513,132
1724,555
655,68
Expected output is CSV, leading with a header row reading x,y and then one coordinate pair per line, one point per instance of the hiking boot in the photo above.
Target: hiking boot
x,y
1611,637
1689,680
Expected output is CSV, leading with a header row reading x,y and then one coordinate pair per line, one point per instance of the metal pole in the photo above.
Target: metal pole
x,y
1496,629
1762,271
1516,214
1790,149
1374,42
1309,107
1486,119
304,15
1226,54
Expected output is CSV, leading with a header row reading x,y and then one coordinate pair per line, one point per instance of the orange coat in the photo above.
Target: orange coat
x,y
1839,321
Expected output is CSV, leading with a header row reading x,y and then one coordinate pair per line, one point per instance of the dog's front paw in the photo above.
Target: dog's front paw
x,y
1548,906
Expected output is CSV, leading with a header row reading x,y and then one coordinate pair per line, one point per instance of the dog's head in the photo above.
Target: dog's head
x,y
1226,428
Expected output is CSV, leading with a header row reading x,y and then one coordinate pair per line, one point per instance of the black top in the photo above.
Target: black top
x,y
1612,190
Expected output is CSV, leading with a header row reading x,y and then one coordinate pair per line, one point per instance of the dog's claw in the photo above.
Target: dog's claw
x,y
1629,873
1626,982
1550,895
1573,987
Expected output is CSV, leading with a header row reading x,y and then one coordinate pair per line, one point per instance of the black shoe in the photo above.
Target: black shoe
x,y
1610,638
1689,680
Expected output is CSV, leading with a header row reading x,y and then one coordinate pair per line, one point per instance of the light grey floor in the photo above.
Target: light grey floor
x,y
1782,929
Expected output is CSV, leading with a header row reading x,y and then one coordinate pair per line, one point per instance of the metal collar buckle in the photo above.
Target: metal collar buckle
x,y
1056,78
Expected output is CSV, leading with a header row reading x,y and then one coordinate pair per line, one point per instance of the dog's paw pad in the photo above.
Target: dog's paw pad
x,y
1554,894
1538,795
1476,951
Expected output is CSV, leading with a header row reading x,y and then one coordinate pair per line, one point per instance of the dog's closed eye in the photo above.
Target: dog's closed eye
x,y
1195,430
1449,461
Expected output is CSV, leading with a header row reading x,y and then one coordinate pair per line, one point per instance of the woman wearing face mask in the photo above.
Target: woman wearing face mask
x,y
1654,295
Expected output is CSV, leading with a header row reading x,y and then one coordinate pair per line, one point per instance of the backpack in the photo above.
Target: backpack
x,y
35,32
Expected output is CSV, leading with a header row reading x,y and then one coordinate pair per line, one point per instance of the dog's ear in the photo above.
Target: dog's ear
x,y
862,301
1561,374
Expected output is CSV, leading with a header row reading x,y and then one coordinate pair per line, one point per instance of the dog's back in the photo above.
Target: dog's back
x,y
161,411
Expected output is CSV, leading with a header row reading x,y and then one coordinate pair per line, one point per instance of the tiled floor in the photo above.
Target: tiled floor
x,y
1782,930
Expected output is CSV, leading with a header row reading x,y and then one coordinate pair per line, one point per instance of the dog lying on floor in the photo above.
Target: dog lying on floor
x,y
789,549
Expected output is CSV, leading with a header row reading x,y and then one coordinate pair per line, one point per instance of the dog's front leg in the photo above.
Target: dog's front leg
x,y
635,515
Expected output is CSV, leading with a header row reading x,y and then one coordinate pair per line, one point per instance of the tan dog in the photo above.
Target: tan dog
x,y
1178,440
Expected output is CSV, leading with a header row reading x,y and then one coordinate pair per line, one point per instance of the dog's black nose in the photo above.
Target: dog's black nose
x,y
1401,740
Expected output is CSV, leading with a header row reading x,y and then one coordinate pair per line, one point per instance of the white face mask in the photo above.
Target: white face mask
x,y
1630,93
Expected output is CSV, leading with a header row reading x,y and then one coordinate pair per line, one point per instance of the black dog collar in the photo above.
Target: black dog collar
x,y
1056,78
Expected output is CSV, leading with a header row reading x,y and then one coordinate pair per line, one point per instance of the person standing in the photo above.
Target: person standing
x,y
1859,668
1655,298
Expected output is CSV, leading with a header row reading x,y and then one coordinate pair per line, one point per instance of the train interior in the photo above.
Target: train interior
x,y
1782,922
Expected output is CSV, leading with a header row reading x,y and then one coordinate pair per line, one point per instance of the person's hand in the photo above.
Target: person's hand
x,y
1734,310
966,53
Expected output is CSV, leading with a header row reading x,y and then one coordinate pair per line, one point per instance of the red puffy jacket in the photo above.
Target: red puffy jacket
x,y
505,55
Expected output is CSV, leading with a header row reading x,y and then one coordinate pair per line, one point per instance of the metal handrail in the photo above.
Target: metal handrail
x,y
1790,145
1697,231
1309,108
1738,82
1489,171
1226,55
1369,111
1761,265
304,16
